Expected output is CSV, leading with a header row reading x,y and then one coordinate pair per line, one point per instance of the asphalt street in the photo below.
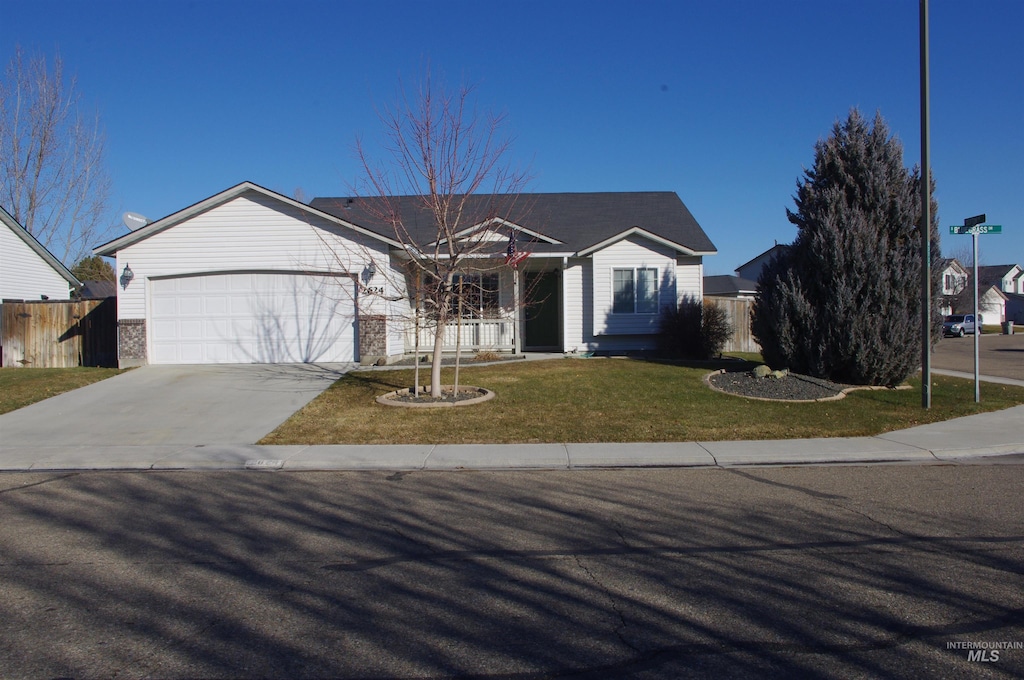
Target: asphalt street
x,y
998,355
809,572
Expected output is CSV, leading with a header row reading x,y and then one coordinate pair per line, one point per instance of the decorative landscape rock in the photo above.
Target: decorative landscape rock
x,y
761,371
785,386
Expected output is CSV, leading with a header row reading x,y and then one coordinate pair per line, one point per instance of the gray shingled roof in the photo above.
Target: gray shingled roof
x,y
577,220
992,275
724,284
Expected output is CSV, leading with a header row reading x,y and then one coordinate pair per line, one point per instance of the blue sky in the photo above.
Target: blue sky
x,y
721,102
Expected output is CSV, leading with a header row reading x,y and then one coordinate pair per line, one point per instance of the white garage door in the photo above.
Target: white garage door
x,y
252,317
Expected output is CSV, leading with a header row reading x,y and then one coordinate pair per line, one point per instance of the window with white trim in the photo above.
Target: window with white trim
x,y
480,296
635,291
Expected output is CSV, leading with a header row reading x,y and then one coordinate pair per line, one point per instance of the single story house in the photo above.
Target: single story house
x,y
251,276
28,271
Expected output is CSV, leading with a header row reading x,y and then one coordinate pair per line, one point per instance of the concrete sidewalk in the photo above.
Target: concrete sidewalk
x,y
985,434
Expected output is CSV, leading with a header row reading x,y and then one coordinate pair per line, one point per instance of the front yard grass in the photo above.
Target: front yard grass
x,y
613,400
23,386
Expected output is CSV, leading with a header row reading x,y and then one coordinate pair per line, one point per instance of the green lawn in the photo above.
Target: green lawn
x,y
613,400
23,386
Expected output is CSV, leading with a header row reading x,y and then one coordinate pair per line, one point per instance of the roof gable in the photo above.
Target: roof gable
x,y
994,274
121,242
7,219
564,223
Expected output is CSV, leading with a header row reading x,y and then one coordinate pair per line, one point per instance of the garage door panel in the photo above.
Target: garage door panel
x,y
252,318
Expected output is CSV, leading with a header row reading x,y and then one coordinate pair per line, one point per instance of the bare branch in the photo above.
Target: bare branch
x,y
444,156
52,174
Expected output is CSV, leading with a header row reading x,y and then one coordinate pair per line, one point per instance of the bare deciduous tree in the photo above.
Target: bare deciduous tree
x,y
448,163
52,174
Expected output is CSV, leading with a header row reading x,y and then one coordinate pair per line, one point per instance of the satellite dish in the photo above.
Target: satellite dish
x,y
134,221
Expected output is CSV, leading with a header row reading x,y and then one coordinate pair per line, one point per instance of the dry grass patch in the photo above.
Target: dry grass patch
x,y
20,387
605,400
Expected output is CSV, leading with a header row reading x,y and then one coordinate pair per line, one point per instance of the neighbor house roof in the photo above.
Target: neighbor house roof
x,y
951,262
38,247
729,285
561,223
97,290
992,275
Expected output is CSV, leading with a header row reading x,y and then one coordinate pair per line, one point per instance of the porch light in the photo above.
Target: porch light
x,y
126,277
369,271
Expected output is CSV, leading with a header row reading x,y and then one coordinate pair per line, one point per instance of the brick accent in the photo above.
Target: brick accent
x,y
131,342
373,338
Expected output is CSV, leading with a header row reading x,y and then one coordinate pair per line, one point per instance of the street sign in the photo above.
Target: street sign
x,y
974,221
977,229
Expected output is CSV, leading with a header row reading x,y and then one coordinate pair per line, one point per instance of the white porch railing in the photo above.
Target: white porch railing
x,y
496,335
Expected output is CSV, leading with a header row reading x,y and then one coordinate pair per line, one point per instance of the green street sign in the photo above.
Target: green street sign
x,y
979,229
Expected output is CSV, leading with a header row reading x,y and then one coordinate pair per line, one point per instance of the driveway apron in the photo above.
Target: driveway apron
x,y
172,405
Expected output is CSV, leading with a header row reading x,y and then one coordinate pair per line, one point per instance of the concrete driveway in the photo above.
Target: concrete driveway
x,y
172,406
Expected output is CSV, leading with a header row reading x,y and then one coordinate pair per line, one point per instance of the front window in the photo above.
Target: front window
x,y
635,291
480,299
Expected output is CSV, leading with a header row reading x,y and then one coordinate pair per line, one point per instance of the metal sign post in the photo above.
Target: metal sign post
x,y
974,227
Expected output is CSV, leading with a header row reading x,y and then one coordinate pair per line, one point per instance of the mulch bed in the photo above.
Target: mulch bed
x,y
792,387
446,396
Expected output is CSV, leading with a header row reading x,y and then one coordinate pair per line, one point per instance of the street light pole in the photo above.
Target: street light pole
x,y
926,220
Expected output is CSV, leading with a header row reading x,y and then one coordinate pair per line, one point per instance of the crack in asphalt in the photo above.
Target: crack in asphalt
x,y
620,629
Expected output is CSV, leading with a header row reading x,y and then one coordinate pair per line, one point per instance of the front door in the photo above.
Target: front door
x,y
543,302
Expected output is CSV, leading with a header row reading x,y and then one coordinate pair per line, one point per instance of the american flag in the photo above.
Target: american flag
x,y
512,256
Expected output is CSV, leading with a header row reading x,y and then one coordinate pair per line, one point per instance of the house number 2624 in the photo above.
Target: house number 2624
x,y
375,290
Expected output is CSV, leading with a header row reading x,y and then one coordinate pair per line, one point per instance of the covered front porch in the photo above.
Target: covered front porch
x,y
497,324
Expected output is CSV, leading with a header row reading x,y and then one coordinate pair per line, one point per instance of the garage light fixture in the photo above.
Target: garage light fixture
x,y
126,277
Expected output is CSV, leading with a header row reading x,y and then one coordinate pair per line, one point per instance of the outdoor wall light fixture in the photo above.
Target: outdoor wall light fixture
x,y
126,277
369,271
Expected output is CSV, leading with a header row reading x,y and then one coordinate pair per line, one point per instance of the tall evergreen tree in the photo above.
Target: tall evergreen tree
x,y
844,301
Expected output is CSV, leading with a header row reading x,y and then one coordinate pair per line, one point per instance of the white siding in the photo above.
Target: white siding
x,y
24,275
689,277
574,276
250,232
991,308
632,252
582,314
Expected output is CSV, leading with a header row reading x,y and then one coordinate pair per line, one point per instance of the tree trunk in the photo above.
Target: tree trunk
x,y
416,351
458,344
435,366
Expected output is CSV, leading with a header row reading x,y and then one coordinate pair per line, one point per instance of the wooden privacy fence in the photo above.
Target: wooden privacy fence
x,y
58,333
738,312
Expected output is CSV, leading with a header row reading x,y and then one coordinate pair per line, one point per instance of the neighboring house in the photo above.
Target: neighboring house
x,y
954,278
729,287
28,271
1005,277
1015,308
752,270
997,282
992,306
251,276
